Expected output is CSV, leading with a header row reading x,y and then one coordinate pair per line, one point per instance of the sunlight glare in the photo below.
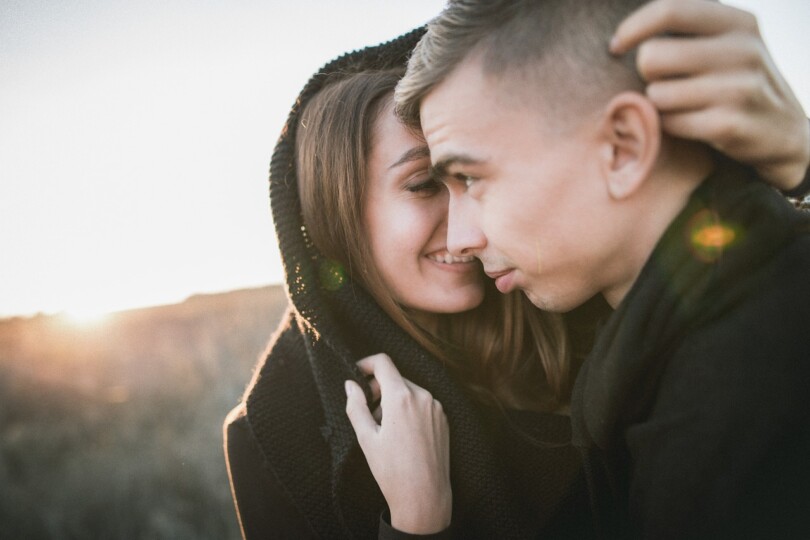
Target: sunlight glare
x,y
87,316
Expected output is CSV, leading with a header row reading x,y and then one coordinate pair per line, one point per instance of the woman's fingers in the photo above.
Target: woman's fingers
x,y
383,370
408,452
370,366
692,17
375,388
377,414
380,364
360,417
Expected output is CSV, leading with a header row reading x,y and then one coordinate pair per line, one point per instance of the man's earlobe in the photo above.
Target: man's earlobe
x,y
631,143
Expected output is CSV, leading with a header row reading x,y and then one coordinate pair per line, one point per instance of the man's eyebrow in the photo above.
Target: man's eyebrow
x,y
417,152
439,169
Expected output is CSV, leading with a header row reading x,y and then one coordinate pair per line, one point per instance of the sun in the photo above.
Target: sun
x,y
86,316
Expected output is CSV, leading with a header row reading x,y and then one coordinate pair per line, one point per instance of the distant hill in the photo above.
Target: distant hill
x,y
113,430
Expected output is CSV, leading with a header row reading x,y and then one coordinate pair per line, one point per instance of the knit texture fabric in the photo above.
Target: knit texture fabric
x,y
296,405
711,329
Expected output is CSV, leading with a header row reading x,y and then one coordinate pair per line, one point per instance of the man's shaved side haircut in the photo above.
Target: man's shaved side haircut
x,y
558,47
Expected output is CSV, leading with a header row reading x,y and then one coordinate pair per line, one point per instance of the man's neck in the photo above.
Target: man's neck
x,y
681,168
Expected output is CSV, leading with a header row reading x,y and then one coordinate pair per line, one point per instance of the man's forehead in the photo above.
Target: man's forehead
x,y
450,124
458,92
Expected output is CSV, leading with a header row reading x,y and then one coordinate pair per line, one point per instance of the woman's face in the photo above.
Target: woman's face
x,y
405,214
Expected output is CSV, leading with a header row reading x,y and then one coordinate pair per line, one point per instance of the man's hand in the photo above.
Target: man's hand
x,y
713,80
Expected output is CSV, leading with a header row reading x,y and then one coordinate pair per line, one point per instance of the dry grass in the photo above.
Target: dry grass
x,y
114,430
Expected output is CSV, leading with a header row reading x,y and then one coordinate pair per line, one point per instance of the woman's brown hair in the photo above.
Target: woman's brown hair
x,y
505,351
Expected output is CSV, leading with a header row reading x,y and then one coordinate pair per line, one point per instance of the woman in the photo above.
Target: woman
x,y
372,204
295,465
375,221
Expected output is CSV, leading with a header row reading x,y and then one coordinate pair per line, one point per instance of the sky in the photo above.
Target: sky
x,y
135,136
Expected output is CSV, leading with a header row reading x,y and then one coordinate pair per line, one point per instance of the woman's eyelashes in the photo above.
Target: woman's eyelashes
x,y
426,186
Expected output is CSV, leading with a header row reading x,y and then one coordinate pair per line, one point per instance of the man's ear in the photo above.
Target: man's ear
x,y
630,140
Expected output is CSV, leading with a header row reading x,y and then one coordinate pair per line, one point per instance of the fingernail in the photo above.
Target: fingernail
x,y
614,44
348,388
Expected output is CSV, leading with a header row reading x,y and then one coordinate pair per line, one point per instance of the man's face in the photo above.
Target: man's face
x,y
523,199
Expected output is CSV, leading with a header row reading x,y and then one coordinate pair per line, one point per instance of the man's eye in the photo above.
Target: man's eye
x,y
466,179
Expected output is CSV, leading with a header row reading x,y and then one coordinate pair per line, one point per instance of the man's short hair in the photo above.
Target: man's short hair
x,y
560,47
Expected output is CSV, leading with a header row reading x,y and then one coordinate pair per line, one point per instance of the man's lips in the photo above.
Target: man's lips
x,y
495,274
504,279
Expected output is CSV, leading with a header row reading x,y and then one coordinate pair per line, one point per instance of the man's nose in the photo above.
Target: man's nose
x,y
464,237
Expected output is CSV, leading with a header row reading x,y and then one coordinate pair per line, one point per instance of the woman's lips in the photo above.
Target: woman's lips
x,y
446,258
452,263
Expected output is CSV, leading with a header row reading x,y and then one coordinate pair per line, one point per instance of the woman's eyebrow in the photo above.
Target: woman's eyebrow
x,y
417,152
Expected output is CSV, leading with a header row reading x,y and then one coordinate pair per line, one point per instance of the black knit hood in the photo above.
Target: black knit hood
x,y
296,404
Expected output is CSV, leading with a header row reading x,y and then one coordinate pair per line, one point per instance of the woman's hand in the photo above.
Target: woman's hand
x,y
408,452
713,80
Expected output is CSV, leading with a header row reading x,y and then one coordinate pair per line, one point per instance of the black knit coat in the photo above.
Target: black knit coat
x,y
692,408
505,484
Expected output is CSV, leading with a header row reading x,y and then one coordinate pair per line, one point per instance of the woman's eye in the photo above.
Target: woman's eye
x,y
428,186
468,181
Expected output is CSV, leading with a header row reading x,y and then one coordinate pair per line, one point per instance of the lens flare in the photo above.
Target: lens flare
x,y
331,275
709,236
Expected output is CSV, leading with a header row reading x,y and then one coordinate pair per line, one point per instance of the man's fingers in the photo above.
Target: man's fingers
x,y
681,95
356,409
710,125
696,93
667,57
695,17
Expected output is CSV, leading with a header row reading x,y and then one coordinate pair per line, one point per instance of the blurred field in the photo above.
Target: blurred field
x,y
113,430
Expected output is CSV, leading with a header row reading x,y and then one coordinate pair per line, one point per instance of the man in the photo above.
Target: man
x,y
690,410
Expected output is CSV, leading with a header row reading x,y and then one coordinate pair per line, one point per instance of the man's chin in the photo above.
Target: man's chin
x,y
551,302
